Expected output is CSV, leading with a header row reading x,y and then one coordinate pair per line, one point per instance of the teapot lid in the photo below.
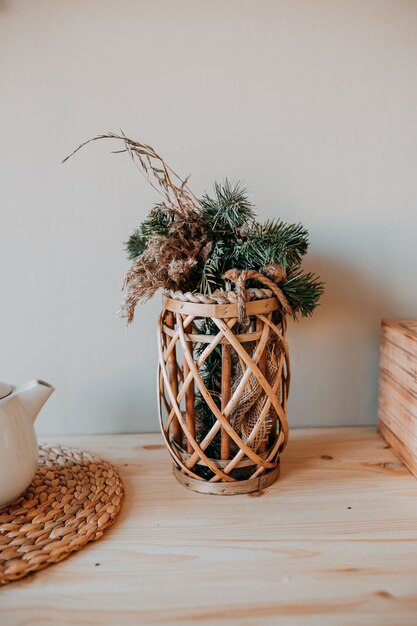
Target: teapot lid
x,y
5,390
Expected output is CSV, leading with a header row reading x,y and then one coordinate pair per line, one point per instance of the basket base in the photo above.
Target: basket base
x,y
227,489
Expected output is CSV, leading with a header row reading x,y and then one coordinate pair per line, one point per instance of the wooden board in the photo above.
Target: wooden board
x,y
332,543
397,405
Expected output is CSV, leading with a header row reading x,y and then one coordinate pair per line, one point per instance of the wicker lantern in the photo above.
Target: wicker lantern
x,y
223,375
249,418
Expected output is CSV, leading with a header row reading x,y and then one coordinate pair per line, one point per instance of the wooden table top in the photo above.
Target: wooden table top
x,y
332,542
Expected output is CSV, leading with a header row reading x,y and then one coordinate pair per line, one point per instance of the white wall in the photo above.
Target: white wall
x,y
312,104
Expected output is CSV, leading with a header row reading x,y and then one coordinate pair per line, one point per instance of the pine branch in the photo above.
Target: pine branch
x,y
211,376
213,268
256,251
290,240
188,244
135,245
158,222
303,291
229,210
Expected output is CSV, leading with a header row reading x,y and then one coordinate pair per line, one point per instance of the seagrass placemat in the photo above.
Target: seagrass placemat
x,y
73,498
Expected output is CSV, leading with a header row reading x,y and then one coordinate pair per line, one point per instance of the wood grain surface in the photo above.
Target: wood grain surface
x,y
397,401
332,542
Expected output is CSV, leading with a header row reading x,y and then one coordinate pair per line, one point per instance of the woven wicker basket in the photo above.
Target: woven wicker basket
x,y
254,357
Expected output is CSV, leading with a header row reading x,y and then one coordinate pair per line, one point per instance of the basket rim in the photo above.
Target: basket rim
x,y
228,489
219,296
223,311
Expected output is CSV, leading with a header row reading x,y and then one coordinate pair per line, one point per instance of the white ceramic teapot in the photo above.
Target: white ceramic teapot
x,y
19,407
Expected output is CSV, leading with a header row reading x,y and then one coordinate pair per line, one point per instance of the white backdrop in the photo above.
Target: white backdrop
x,y
311,104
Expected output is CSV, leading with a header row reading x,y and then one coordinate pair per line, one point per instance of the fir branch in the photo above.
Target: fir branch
x,y
229,210
136,244
303,291
288,241
186,244
257,251
211,377
158,222
213,268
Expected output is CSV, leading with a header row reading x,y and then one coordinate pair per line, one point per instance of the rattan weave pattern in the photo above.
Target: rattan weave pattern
x,y
73,498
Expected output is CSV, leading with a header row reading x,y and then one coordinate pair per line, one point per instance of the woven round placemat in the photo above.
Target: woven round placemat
x,y
73,498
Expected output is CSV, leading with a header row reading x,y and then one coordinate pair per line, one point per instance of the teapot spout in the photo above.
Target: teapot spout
x,y
33,396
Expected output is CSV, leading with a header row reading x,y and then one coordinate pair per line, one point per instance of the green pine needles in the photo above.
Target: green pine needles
x,y
187,244
238,241
157,223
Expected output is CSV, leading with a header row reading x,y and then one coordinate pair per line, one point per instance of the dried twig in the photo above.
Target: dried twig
x,y
170,260
163,179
